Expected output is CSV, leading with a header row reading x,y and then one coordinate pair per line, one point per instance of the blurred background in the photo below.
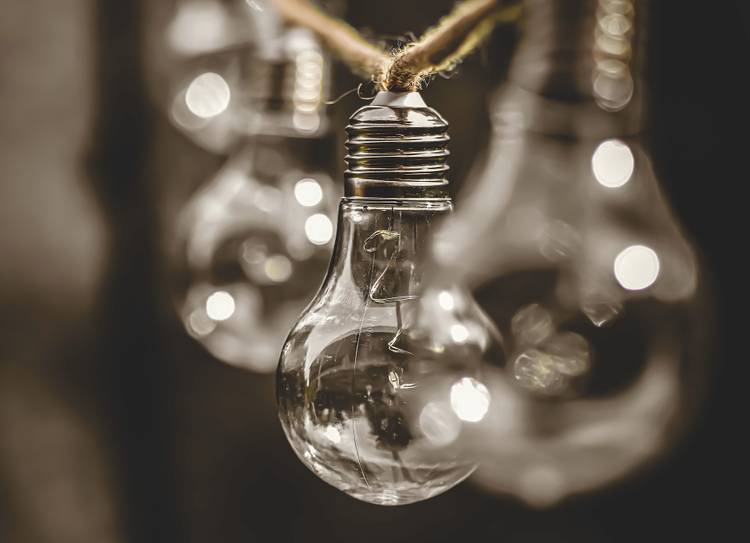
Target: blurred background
x,y
116,425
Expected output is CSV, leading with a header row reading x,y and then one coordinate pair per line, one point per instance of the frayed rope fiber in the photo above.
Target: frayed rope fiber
x,y
440,49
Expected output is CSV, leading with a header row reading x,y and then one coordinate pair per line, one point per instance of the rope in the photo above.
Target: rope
x,y
440,49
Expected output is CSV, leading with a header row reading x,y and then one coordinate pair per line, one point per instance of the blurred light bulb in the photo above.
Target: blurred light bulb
x,y
249,266
224,61
570,246
242,235
396,390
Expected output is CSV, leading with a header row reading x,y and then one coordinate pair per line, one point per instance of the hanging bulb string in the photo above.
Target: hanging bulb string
x,y
446,44
362,57
359,89
406,69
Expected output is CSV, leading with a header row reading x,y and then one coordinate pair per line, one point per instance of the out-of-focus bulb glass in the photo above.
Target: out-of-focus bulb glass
x,y
373,401
570,246
207,95
251,264
233,69
257,237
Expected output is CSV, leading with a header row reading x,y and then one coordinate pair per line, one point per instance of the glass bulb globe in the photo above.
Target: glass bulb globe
x,y
251,262
372,401
570,246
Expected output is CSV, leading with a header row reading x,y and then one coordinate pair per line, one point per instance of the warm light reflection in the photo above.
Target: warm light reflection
x,y
615,24
612,81
446,301
308,192
183,117
612,90
208,95
220,305
571,353
601,311
531,324
470,399
306,122
198,26
613,163
308,87
199,323
333,434
459,333
549,366
319,229
278,268
535,371
439,424
636,267
253,251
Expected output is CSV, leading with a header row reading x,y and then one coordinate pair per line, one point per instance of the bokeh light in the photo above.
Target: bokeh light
x,y
613,163
308,192
208,95
319,229
470,399
278,268
637,267
220,305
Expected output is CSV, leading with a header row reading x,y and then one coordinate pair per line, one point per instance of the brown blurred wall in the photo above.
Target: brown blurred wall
x,y
55,472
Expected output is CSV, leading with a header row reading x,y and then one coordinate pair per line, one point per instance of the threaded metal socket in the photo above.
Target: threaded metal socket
x,y
397,148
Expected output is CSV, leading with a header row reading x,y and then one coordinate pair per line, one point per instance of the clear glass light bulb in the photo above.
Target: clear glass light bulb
x,y
573,251
255,241
372,401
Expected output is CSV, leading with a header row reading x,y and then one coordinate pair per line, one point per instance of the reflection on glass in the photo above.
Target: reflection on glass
x,y
207,95
566,239
613,163
396,395
470,399
250,267
319,229
308,192
637,267
220,306
198,26
397,390
612,82
439,424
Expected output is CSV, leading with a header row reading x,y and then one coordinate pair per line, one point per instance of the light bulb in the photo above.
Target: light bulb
x,y
571,247
250,262
373,401
234,69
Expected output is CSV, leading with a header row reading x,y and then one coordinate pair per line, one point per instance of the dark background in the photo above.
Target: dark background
x,y
115,426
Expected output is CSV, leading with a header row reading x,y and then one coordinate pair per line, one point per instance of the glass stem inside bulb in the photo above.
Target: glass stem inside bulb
x,y
379,246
